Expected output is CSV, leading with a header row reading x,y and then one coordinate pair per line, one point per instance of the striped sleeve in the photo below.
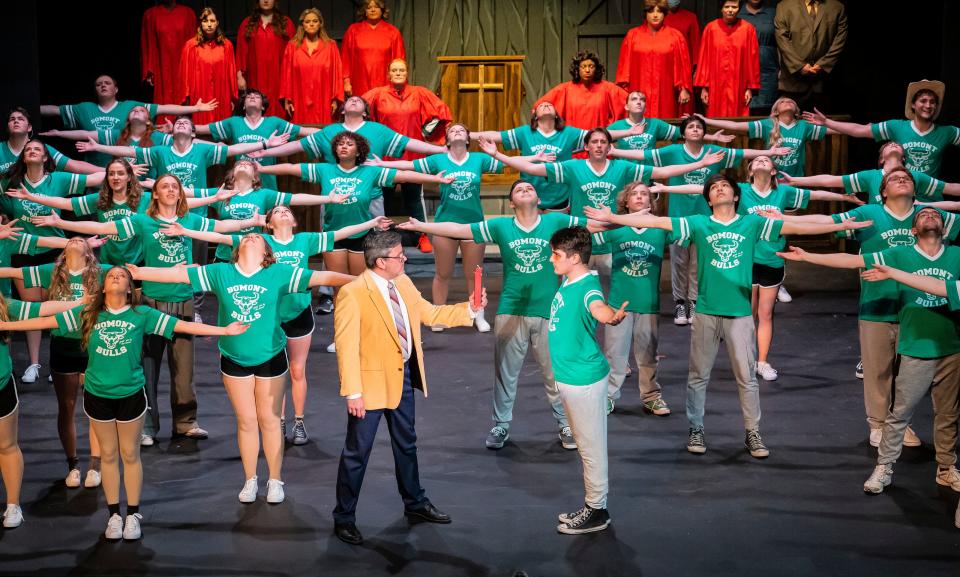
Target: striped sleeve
x,y
491,164
849,234
159,323
950,228
219,130
69,320
299,280
816,131
509,139
310,172
598,239
592,295
670,132
770,229
873,259
386,176
324,241
755,129
27,243
853,182
107,137
880,130
398,143
681,230
422,165
956,136
800,199
926,185
482,233
953,295
555,172
200,278
577,221
126,228
76,184
311,145
68,115
218,153
32,277
282,199
21,311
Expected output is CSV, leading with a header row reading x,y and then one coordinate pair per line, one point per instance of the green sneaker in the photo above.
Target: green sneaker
x,y
657,407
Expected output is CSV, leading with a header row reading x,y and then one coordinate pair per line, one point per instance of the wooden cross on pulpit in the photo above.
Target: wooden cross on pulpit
x,y
481,87
483,92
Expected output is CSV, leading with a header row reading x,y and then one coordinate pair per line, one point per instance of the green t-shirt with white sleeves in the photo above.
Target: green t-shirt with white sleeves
x,y
296,252
654,130
637,260
189,166
879,301
114,367
362,184
384,141
252,299
160,250
690,204
926,187
574,352
239,130
781,198
91,116
459,200
928,327
793,136
114,251
112,136
16,311
953,295
923,152
529,282
57,184
562,143
242,206
725,257
8,156
41,276
25,244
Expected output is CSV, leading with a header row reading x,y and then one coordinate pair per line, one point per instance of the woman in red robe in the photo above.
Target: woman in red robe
x,y
587,101
654,60
164,30
369,46
311,81
261,40
729,67
208,70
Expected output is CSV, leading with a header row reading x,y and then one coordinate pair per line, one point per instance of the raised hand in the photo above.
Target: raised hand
x,y
544,156
383,223
411,224
172,229
721,136
795,254
89,146
134,271
619,315
140,169
780,151
18,193
879,272
96,241
225,194
442,177
815,117
277,139
713,157
854,224
52,219
338,198
771,214
488,146
206,106
10,230
373,160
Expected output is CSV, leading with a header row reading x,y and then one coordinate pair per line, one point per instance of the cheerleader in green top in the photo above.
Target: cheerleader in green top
x,y
254,365
111,329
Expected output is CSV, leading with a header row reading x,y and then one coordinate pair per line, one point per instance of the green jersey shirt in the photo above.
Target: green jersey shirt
x,y
574,352
529,282
189,166
928,327
24,244
115,251
562,143
8,157
243,206
254,300
793,136
725,257
384,141
361,183
16,311
953,295
41,276
781,198
239,130
923,150
637,261
459,200
111,137
92,116
58,184
654,130
690,204
114,368
926,187
296,252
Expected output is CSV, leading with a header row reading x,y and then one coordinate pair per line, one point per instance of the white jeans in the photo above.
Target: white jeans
x,y
586,407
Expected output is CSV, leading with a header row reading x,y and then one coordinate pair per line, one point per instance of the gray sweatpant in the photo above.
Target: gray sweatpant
x,y
587,407
683,272
641,331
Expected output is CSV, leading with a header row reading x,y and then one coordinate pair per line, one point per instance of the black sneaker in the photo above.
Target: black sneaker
x,y
588,520
324,304
299,433
858,372
755,444
680,314
567,517
695,443
283,428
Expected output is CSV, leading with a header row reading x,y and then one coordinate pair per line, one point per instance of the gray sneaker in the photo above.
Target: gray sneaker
x,y
881,477
497,437
755,444
695,442
566,439
299,433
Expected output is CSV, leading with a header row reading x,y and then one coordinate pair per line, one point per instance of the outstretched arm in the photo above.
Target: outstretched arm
x,y
171,275
11,272
50,308
848,128
284,150
520,164
731,125
203,330
51,201
879,272
418,178
606,314
636,219
378,222
304,199
92,145
491,135
835,197
177,109
283,169
447,229
835,260
808,229
947,205
813,181
272,142
176,229
81,226
421,147
73,134
327,278
34,324
679,169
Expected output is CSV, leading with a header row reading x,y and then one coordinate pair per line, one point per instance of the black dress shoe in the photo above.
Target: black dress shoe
x,y
348,533
427,514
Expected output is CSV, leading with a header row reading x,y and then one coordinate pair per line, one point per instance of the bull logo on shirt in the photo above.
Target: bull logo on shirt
x,y
598,197
640,141
183,171
114,336
241,211
461,189
287,257
697,177
726,245
33,209
173,246
637,262
347,186
919,158
247,301
529,254
790,158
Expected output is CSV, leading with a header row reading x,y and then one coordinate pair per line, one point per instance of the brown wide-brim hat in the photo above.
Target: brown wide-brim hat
x,y
935,86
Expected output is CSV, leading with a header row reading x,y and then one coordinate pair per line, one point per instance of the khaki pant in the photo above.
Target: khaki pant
x,y
878,351
515,335
640,331
183,397
683,272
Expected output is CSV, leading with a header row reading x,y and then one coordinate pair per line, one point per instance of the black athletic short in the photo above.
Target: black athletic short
x,y
299,326
266,370
46,257
122,410
767,276
349,244
67,356
8,398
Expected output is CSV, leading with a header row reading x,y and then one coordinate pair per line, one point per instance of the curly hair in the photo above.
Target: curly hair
x,y
362,10
60,277
301,33
268,257
363,145
218,36
278,22
91,312
154,208
134,190
18,170
598,72
630,189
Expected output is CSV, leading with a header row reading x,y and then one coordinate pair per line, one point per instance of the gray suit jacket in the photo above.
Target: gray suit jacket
x,y
805,40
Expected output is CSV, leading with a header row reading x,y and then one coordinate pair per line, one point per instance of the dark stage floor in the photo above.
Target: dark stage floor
x,y
801,512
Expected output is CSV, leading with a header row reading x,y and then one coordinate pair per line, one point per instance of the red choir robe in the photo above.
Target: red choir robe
x,y
659,65
208,71
407,111
312,81
686,22
729,65
259,58
367,52
585,107
163,33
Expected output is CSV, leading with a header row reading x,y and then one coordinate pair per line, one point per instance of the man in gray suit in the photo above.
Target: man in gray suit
x,y
810,36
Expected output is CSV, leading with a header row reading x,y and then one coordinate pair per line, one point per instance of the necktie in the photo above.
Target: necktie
x,y
398,316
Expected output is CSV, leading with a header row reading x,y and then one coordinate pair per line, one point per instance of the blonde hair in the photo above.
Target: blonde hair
x,y
91,312
630,189
153,209
322,33
775,137
60,277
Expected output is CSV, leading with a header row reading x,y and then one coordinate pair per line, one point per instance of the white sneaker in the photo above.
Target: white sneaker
x,y
146,440
275,491
949,477
481,323
114,530
131,529
437,328
73,479
766,372
13,517
197,319
881,477
910,438
31,374
249,492
875,436
782,295
92,479
332,348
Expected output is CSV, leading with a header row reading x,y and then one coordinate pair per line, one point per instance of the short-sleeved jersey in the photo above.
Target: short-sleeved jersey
x,y
562,143
725,257
91,116
115,251
879,300
114,368
189,166
459,200
8,156
252,299
384,141
296,252
239,130
781,198
111,138
529,282
361,183
243,206
928,327
58,184
926,187
25,244
953,295
40,276
161,250
637,260
690,204
923,150
793,136
653,131
574,352
16,311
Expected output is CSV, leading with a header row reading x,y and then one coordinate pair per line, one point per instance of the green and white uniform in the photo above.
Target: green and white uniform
x,y
40,277
91,116
110,137
115,251
923,151
459,200
242,206
296,253
926,187
361,183
238,130
189,166
250,299
57,184
8,156
793,136
637,261
26,244
654,131
574,351
16,311
781,198
562,143
384,141
690,204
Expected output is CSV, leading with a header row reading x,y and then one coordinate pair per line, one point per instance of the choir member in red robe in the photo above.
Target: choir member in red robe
x,y
208,70
587,101
261,40
163,32
654,60
686,23
369,46
729,67
311,81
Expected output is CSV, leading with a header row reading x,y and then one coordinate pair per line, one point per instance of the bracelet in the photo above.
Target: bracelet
x,y
264,144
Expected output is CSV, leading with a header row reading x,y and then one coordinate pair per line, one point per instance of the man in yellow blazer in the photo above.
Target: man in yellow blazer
x,y
377,323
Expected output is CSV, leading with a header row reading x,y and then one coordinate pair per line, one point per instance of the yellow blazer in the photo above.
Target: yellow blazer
x,y
368,347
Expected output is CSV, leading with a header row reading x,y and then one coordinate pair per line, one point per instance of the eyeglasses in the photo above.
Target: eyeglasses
x,y
402,257
900,179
